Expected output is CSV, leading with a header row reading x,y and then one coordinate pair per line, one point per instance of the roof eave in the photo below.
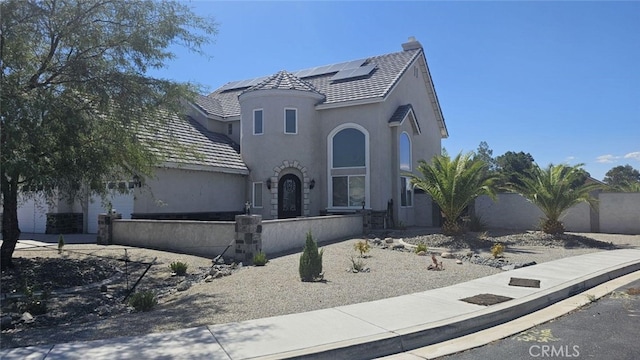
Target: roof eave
x,y
208,168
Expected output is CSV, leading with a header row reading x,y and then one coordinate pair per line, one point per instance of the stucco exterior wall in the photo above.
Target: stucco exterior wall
x,y
512,211
266,154
423,210
620,213
203,238
179,190
290,234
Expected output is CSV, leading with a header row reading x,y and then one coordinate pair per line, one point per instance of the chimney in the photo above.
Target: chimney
x,y
411,44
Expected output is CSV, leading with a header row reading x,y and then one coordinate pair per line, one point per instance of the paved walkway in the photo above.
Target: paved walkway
x,y
365,330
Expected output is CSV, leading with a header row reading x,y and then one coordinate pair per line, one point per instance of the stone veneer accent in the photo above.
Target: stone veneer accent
x,y
105,228
248,237
305,186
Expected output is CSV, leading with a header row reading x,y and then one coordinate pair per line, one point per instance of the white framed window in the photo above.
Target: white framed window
x,y
405,152
290,121
258,123
406,192
257,195
348,191
348,168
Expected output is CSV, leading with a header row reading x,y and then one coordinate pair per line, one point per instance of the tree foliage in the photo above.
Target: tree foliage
x,y
75,92
512,166
453,184
622,177
485,154
554,190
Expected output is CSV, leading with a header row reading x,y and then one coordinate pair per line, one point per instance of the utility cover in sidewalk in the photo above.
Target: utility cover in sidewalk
x,y
486,299
532,283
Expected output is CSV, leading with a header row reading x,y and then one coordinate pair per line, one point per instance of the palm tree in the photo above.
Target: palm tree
x,y
554,190
453,184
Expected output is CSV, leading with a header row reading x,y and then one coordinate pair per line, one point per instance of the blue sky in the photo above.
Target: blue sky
x,y
559,80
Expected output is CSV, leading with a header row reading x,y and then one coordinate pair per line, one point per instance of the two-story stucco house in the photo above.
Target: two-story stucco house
x,y
330,139
333,138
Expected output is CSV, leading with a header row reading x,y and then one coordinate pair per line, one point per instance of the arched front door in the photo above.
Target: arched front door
x,y
289,197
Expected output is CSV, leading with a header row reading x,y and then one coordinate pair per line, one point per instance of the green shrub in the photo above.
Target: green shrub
x,y
143,300
362,246
357,264
34,304
421,247
179,268
497,249
310,261
260,259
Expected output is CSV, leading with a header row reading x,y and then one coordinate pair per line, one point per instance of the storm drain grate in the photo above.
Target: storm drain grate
x,y
532,283
486,299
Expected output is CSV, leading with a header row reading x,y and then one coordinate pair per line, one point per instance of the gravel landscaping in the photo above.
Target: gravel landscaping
x,y
271,290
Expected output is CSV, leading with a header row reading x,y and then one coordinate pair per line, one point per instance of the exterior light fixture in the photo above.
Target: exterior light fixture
x,y
312,184
269,183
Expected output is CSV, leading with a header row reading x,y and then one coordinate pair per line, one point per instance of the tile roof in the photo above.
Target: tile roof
x,y
185,141
388,70
400,113
283,80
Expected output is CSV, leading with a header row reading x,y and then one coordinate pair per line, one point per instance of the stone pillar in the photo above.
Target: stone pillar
x,y
105,228
248,237
366,221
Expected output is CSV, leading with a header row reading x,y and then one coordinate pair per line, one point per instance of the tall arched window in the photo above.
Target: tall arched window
x,y
348,168
405,152
406,189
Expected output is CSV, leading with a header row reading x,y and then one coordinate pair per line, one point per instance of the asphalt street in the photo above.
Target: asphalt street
x,y
608,328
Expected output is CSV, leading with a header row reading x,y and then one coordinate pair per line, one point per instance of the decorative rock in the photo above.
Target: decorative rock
x,y
459,262
388,240
422,253
103,288
446,255
377,241
208,278
469,254
217,274
398,247
184,285
26,317
508,267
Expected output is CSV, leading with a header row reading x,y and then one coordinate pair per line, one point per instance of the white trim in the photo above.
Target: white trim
x,y
366,101
295,119
410,152
367,177
261,120
253,195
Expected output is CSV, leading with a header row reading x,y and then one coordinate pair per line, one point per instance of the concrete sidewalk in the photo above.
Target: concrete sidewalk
x,y
365,330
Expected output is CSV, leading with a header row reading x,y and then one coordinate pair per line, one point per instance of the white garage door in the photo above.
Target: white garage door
x,y
32,214
122,203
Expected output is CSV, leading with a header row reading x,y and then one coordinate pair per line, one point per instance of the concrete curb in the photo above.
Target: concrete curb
x,y
437,332
518,325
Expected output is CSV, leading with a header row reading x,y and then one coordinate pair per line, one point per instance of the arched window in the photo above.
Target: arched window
x,y
348,169
406,189
348,149
405,152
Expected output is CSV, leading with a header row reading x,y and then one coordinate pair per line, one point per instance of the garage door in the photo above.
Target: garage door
x,y
122,203
32,214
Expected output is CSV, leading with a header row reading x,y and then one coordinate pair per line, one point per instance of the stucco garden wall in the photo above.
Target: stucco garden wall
x,y
210,238
620,213
290,234
203,238
512,211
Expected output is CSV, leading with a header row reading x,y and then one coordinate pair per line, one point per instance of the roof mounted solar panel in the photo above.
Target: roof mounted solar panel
x,y
327,69
242,83
353,73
